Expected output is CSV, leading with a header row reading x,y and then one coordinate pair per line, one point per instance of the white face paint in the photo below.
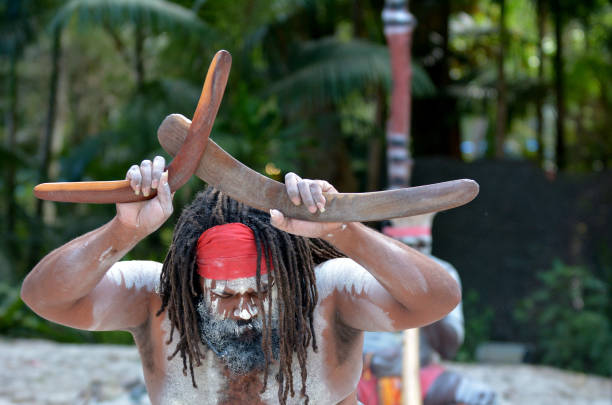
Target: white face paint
x,y
246,287
238,285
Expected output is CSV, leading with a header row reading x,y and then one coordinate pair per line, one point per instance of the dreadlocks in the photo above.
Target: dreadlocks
x,y
290,259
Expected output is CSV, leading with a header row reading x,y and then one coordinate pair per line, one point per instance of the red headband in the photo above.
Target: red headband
x,y
228,252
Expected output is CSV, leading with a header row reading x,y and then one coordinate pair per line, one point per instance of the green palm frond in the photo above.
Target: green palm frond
x,y
328,70
157,14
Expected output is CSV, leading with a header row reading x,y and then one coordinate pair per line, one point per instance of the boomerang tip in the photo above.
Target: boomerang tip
x,y
471,187
45,191
38,191
224,55
42,190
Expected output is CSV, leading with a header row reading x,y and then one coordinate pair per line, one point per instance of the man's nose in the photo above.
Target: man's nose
x,y
246,309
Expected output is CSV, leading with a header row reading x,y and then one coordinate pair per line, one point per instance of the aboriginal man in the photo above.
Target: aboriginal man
x,y
248,307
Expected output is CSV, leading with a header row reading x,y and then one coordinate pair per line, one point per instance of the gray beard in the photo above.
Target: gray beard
x,y
236,343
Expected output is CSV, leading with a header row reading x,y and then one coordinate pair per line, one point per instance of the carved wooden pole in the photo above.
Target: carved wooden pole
x,y
399,24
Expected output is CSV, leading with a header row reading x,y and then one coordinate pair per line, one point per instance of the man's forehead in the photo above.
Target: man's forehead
x,y
240,285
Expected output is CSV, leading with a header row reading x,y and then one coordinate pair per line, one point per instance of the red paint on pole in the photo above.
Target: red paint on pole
x,y
399,24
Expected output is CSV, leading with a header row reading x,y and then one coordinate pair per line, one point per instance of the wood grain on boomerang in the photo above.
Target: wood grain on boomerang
x,y
221,170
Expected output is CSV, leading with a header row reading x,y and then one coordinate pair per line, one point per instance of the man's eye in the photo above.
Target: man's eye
x,y
222,294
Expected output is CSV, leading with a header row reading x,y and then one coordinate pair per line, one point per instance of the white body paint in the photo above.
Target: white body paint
x,y
329,380
177,389
136,274
104,254
129,275
347,276
344,275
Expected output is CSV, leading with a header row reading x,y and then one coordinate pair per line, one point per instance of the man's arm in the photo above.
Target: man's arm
x,y
387,285
446,335
81,285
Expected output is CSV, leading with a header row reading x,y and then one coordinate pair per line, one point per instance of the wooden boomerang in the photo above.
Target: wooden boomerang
x,y
222,171
182,166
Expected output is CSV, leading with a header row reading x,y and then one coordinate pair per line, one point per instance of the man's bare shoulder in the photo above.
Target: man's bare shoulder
x,y
140,275
358,300
343,275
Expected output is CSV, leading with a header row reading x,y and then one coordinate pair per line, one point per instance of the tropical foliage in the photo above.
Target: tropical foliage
x,y
570,313
85,84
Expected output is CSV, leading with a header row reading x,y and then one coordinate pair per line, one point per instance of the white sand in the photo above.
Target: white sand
x,y
37,372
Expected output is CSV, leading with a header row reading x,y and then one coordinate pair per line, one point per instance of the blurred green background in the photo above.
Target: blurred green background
x,y
515,94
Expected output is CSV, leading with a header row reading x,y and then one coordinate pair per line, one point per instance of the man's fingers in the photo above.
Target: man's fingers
x,y
278,220
306,195
291,184
159,163
164,194
317,195
146,176
326,187
309,192
135,178
145,171
300,227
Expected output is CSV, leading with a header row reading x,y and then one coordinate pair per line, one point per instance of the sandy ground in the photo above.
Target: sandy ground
x,y
539,385
46,373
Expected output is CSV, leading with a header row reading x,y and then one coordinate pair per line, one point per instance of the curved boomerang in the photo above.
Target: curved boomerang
x,y
182,166
195,152
221,170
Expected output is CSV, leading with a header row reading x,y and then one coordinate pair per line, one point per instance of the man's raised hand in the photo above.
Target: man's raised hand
x,y
310,193
146,217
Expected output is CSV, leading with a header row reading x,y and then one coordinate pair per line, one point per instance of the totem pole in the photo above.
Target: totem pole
x,y
398,25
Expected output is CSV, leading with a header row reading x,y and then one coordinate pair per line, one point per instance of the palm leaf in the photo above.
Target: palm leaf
x,y
157,14
328,70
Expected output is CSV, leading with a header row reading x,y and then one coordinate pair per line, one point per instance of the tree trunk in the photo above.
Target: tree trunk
x,y
11,130
375,152
46,144
357,16
47,141
502,113
541,19
138,57
435,119
560,147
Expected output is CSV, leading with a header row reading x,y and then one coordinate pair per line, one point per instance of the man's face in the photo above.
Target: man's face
x,y
235,299
231,323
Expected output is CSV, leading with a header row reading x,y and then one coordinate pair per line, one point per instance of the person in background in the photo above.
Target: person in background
x,y
381,381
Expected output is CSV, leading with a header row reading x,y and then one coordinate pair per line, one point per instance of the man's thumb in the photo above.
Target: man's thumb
x,y
278,219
